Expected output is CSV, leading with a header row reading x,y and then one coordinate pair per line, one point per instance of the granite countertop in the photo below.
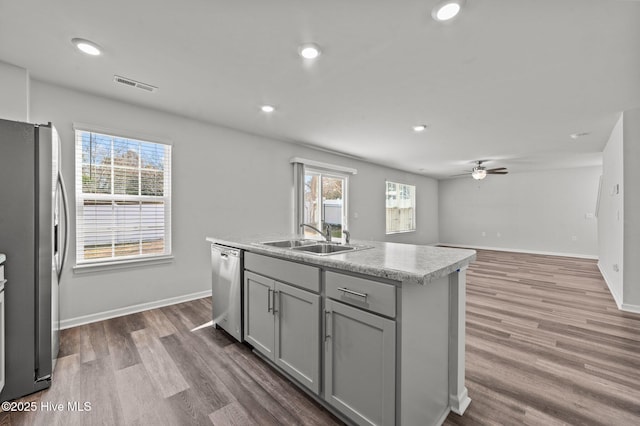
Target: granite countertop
x,y
406,263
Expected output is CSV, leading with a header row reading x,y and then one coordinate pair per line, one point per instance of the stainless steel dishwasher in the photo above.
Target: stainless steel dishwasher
x,y
226,289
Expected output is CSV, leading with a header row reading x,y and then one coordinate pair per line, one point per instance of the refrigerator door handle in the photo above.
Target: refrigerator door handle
x,y
67,232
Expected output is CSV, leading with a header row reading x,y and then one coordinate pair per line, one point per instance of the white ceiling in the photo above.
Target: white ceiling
x,y
508,80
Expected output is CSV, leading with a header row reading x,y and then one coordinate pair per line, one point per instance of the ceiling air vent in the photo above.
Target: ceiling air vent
x,y
133,83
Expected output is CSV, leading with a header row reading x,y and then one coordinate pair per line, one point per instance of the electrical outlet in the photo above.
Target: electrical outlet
x,y
588,216
616,268
498,235
484,234
574,238
355,215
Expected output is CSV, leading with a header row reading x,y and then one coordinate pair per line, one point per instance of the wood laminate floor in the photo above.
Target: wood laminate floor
x,y
546,345
166,366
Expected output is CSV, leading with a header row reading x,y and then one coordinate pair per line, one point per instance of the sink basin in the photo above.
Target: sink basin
x,y
289,243
323,249
315,247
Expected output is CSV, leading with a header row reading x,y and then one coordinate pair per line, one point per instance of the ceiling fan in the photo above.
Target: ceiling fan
x,y
480,172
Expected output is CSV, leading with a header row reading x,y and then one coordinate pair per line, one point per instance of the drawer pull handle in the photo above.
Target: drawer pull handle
x,y
354,293
269,299
276,297
327,334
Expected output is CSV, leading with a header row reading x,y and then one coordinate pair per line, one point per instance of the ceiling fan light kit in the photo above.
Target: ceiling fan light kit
x,y
480,172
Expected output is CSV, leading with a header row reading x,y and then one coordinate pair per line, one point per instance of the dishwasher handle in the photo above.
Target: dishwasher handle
x,y
225,252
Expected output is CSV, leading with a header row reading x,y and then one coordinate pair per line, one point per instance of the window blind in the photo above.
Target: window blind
x,y
123,198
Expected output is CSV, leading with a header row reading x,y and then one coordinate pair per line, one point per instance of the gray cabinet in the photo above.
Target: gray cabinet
x,y
297,326
282,322
375,351
359,364
258,315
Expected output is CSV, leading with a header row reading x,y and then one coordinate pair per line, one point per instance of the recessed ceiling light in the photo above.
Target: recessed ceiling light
x,y
420,128
578,135
267,108
447,10
309,51
86,46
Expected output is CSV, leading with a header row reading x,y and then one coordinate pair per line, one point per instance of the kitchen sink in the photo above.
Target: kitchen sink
x,y
315,247
324,249
289,243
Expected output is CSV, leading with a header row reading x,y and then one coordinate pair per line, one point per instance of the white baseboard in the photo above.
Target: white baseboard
x,y
460,402
514,250
100,316
627,307
616,297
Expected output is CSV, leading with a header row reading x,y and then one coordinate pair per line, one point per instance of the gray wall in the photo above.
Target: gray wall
x,y
542,212
224,182
619,219
631,170
14,92
611,214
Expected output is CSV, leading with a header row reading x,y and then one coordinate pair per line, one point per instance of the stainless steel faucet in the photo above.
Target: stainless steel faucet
x,y
347,236
327,230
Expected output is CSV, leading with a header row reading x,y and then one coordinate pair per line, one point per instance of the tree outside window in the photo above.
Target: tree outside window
x,y
324,202
123,197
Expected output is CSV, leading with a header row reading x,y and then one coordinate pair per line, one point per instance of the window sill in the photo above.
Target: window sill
x,y
84,268
400,232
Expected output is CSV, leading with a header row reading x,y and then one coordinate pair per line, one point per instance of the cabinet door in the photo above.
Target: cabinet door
x,y
258,315
298,334
360,364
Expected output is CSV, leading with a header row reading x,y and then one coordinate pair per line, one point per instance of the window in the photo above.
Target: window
x,y
324,202
321,196
123,198
401,207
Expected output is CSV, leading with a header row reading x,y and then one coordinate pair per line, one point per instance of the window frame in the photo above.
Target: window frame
x,y
345,197
80,197
301,167
413,206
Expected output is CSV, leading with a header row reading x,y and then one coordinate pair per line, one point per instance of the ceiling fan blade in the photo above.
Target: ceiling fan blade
x,y
503,172
461,174
496,169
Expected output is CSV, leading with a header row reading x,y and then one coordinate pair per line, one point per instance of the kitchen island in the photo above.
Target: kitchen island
x,y
375,334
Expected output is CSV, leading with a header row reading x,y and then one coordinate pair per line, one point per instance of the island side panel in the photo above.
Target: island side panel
x,y
458,395
424,353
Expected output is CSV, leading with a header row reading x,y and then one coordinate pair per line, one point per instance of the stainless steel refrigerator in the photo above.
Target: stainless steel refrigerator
x,y
34,236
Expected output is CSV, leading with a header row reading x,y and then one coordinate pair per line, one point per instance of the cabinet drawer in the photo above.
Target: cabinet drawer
x,y
297,274
367,294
